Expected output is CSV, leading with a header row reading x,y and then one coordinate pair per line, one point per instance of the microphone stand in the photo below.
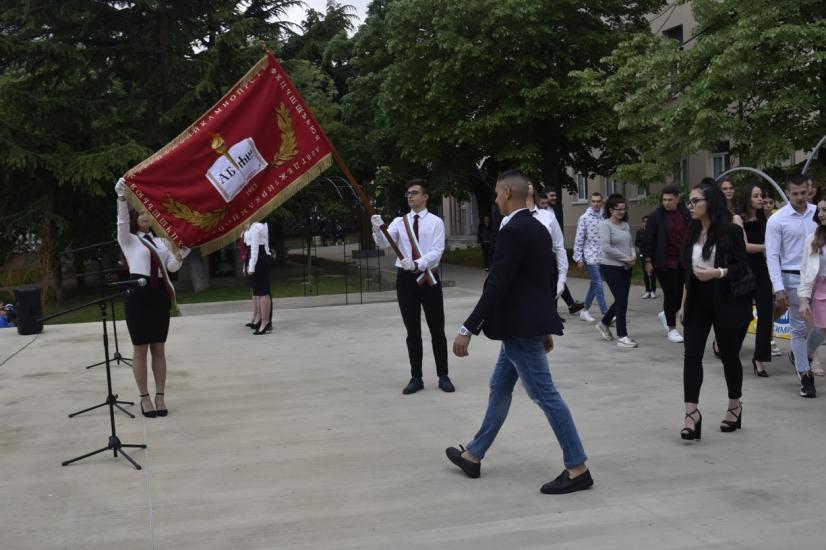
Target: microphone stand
x,y
114,443
116,357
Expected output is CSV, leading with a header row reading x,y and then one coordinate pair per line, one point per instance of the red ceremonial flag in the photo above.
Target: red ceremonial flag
x,y
253,150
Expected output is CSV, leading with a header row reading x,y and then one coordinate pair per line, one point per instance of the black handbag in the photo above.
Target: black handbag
x,y
744,285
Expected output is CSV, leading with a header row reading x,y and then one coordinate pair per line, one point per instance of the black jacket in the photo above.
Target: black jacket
x,y
518,297
729,312
654,241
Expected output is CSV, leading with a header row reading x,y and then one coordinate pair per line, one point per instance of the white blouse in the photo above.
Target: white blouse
x,y
136,254
697,259
258,234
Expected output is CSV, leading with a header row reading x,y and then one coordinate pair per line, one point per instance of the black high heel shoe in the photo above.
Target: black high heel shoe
x,y
264,330
692,434
253,326
732,425
160,412
147,414
760,373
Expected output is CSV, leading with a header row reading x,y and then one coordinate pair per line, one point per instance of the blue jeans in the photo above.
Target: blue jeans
x,y
526,358
595,289
805,340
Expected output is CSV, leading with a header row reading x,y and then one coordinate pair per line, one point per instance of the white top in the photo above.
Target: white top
x,y
258,234
785,232
697,259
814,266
136,254
431,239
587,244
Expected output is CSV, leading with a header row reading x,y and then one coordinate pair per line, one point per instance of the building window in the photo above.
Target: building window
x,y
581,187
642,191
679,173
675,33
720,159
610,186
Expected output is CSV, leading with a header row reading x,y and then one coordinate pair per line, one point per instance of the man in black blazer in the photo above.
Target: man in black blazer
x,y
517,307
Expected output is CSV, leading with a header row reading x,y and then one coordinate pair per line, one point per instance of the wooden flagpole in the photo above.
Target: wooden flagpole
x,y
364,199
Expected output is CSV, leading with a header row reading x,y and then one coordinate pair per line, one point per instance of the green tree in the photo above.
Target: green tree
x,y
752,75
492,77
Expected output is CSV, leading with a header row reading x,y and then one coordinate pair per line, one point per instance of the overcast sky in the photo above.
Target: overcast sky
x,y
296,15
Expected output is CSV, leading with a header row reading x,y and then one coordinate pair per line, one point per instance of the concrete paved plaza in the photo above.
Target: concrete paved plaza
x,y
302,440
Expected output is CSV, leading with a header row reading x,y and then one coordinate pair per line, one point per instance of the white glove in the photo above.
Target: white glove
x,y
183,252
376,221
408,264
120,187
560,288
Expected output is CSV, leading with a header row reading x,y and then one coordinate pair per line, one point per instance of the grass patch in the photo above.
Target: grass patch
x,y
468,257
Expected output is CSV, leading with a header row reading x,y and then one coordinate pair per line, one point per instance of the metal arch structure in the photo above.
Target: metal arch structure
x,y
760,173
813,155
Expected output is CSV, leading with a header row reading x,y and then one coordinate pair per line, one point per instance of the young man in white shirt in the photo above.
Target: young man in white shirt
x,y
551,198
588,253
420,236
785,232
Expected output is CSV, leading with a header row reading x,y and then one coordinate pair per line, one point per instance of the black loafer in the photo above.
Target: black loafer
x,y
563,484
413,386
446,385
471,469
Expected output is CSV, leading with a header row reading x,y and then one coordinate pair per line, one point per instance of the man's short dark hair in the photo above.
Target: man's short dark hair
x,y
417,181
797,179
508,174
596,194
671,190
708,181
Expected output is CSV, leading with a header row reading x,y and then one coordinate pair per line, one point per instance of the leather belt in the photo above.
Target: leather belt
x,y
791,271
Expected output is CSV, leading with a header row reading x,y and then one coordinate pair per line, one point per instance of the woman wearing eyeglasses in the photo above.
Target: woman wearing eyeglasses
x,y
716,252
618,258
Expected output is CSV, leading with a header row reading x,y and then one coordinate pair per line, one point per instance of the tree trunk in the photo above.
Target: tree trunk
x,y
198,271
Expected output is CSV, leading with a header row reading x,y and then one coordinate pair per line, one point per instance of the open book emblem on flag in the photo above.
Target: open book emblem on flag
x,y
235,167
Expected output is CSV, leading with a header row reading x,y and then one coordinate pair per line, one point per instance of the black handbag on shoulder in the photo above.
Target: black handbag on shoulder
x,y
744,285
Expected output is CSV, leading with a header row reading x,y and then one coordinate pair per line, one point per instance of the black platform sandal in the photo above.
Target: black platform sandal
x,y
692,434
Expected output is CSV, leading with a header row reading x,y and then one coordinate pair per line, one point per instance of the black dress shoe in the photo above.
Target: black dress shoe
x,y
575,307
446,385
563,484
471,469
413,386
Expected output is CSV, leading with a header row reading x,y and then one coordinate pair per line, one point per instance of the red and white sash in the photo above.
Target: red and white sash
x,y
427,276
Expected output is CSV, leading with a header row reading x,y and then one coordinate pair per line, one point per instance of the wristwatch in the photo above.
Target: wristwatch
x,y
464,332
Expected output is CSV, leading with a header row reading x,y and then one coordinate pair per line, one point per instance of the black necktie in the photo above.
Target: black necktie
x,y
416,226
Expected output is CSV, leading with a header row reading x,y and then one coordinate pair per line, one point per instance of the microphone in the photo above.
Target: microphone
x,y
132,283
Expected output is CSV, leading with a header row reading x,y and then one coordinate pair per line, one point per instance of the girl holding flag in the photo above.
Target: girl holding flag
x,y
147,307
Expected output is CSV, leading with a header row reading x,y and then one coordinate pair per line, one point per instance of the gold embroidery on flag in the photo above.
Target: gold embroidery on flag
x,y
203,221
289,147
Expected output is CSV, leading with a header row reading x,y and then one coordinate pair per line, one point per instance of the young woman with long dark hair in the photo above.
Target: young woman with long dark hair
x,y
751,217
812,289
716,252
618,258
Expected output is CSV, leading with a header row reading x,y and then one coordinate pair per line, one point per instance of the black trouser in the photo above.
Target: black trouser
x,y
619,282
566,296
412,299
764,300
486,254
671,281
650,281
695,331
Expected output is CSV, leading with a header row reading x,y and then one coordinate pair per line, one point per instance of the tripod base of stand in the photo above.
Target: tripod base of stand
x,y
118,358
111,400
116,447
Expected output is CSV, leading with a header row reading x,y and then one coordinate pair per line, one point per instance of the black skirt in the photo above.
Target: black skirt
x,y
147,314
260,278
